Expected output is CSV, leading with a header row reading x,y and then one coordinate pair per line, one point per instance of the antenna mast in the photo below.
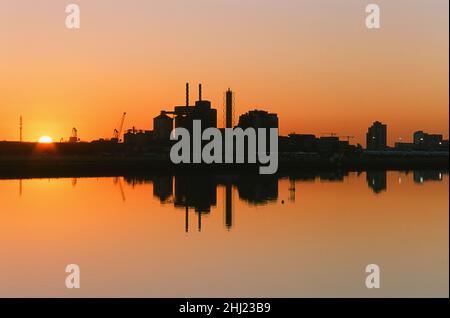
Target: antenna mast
x,y
20,129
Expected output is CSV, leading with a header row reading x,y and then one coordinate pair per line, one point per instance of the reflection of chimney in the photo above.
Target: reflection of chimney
x,y
186,226
187,94
228,206
200,92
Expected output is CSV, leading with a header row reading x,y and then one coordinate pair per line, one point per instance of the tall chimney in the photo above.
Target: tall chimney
x,y
200,92
187,94
229,109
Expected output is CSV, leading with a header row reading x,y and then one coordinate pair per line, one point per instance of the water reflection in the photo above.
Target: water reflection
x,y
275,236
377,180
198,193
420,176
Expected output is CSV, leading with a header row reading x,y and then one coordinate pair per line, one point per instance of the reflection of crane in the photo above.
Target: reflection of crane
x,y
118,131
118,180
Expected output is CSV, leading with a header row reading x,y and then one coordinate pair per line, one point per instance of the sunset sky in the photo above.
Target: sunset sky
x,y
311,61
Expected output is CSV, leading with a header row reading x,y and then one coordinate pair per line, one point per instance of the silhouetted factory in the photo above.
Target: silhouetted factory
x,y
157,141
184,116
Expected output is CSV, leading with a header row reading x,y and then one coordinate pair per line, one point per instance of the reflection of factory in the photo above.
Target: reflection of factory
x,y
199,193
257,190
420,176
377,180
162,187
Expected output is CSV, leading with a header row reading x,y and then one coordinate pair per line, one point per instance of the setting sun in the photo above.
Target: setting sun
x,y
45,140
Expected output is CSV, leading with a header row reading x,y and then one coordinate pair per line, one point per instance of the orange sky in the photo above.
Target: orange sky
x,y
312,62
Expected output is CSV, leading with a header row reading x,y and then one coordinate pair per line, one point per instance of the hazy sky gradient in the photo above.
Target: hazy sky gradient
x,y
312,62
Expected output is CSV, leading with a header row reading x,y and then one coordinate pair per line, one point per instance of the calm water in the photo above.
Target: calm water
x,y
221,236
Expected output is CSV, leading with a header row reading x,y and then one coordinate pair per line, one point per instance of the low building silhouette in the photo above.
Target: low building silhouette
x,y
302,142
421,176
137,137
258,119
328,145
429,142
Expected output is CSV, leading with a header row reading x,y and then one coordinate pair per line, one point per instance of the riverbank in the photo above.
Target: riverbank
x,y
49,165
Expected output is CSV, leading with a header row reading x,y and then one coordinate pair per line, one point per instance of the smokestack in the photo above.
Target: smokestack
x,y
229,109
200,92
187,94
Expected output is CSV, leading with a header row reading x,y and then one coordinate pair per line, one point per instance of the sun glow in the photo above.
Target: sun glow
x,y
45,140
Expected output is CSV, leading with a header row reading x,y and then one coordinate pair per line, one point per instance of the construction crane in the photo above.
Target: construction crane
x,y
331,134
74,137
20,129
118,131
348,137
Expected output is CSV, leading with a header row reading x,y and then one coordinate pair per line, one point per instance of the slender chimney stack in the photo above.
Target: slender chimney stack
x,y
200,92
187,95
229,109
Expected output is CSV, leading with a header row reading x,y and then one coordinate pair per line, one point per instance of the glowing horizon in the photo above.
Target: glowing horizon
x,y
311,62
45,140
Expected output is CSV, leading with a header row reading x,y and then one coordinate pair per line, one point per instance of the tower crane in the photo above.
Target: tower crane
x,y
74,137
118,131
348,137
331,134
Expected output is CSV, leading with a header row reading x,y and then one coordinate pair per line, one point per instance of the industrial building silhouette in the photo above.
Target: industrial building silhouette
x,y
144,149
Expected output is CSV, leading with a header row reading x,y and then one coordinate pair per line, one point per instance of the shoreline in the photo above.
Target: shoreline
x,y
37,166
